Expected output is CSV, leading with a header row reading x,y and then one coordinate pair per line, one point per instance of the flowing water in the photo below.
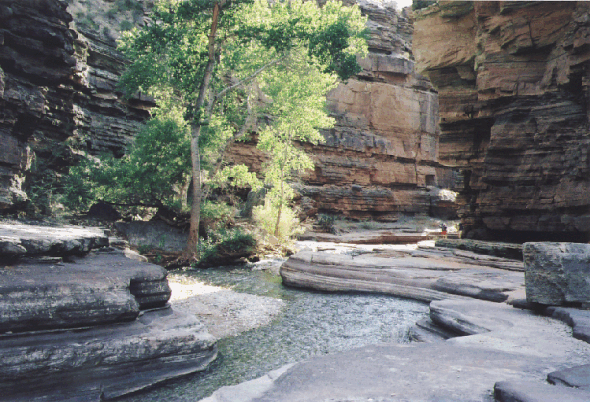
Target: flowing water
x,y
312,323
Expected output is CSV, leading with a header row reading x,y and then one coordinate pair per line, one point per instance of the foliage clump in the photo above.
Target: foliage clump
x,y
219,72
155,172
265,217
326,223
225,246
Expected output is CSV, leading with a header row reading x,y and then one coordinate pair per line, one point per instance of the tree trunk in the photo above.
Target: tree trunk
x,y
280,210
193,236
195,219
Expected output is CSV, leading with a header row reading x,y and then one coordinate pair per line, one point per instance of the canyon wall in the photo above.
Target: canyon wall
x,y
381,158
57,96
514,105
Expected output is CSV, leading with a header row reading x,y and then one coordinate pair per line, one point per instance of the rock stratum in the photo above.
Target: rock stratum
x,y
81,321
57,95
58,74
513,91
381,158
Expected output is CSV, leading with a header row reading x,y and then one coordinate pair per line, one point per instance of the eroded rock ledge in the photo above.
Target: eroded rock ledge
x,y
85,322
512,79
425,275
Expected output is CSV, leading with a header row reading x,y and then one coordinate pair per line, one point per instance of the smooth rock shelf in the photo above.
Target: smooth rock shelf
x,y
474,346
81,321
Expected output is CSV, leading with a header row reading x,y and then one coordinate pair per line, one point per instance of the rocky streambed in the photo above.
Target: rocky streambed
x,y
492,352
83,321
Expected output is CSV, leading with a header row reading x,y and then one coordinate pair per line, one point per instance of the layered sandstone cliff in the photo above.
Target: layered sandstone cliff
x,y
57,96
380,159
513,91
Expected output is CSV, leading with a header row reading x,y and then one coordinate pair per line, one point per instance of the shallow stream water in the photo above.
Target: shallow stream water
x,y
312,323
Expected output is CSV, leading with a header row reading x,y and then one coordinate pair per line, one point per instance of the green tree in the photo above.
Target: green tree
x,y
298,94
155,171
209,52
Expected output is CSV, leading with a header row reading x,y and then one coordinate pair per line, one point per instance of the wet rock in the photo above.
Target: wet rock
x,y
557,273
102,288
103,362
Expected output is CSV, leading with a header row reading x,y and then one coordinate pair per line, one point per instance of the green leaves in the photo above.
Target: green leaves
x,y
153,173
276,59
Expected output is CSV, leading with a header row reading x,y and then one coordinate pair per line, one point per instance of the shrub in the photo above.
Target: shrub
x,y
224,246
154,173
326,223
215,215
265,217
126,25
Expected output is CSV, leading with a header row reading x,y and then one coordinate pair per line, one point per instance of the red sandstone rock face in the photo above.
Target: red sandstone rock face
x,y
513,91
383,152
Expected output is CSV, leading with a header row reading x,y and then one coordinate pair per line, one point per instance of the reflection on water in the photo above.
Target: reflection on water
x,y
312,323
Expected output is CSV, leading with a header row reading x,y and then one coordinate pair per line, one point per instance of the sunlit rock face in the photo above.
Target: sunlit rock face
x,y
383,152
513,91
57,94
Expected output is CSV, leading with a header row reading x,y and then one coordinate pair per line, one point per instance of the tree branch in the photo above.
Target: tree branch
x,y
250,77
239,134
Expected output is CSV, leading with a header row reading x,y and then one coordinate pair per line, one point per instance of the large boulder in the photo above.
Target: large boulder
x,y
557,273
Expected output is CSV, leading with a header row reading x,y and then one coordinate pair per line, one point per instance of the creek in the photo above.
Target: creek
x,y
312,323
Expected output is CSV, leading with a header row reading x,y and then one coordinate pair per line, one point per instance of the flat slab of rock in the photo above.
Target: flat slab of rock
x,y
517,346
17,240
371,237
103,362
101,288
416,277
557,273
498,249
577,377
537,391
578,319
